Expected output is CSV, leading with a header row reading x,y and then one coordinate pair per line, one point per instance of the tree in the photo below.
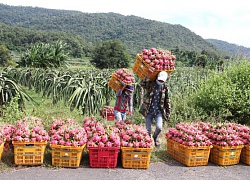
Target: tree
x,y
110,54
5,55
201,60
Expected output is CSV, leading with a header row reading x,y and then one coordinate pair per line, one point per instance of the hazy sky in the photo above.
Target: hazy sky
x,y
217,19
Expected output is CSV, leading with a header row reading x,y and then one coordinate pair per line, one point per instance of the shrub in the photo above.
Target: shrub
x,y
226,93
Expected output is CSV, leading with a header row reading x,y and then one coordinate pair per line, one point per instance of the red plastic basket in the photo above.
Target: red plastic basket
x,y
107,116
103,157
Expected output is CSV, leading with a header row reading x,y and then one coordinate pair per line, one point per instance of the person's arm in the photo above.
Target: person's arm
x,y
119,92
130,106
167,104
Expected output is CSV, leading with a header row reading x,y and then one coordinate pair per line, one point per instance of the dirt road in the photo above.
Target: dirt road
x,y
171,170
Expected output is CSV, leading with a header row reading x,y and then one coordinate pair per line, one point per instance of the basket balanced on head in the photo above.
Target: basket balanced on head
x,y
121,75
155,59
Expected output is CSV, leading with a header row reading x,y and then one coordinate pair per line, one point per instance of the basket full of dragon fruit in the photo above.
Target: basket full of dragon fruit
x,y
121,75
107,112
155,60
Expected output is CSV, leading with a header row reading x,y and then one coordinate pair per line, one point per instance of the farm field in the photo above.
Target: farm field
x,y
55,100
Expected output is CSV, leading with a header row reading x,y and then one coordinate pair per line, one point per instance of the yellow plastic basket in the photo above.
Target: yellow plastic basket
x,y
29,153
245,155
189,156
172,146
228,155
141,68
66,156
1,150
115,83
136,158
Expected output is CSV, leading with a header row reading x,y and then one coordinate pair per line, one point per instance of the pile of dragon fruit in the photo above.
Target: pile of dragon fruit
x,y
125,75
158,59
67,132
107,110
206,134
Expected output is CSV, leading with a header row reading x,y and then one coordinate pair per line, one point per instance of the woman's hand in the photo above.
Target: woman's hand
x,y
122,84
167,117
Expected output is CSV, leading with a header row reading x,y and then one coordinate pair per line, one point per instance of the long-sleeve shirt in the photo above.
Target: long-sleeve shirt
x,y
150,87
155,105
123,100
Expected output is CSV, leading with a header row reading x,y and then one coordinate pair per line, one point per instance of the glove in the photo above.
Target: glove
x,y
122,84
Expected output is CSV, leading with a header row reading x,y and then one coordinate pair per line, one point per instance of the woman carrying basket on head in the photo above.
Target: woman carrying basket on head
x,y
124,98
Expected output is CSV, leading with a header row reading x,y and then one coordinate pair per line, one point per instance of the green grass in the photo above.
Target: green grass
x,y
48,111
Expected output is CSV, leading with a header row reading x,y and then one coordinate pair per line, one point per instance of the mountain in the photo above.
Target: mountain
x,y
231,48
135,32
